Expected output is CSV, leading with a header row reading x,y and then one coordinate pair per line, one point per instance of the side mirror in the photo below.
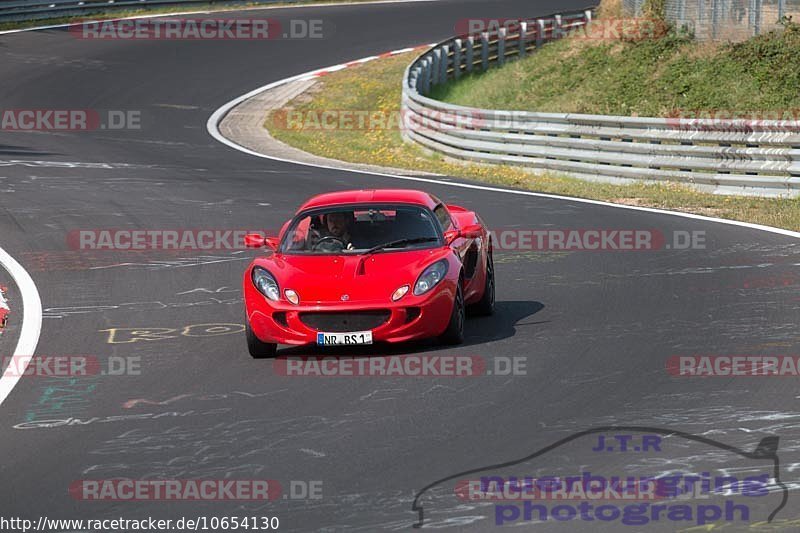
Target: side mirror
x,y
256,240
451,235
272,243
473,231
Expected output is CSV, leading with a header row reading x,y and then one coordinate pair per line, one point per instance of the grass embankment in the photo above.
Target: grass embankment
x,y
647,77
375,86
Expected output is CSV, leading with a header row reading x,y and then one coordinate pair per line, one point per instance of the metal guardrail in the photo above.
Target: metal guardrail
x,y
22,10
740,156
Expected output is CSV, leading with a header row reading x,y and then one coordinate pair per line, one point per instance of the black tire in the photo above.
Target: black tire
x,y
257,348
454,334
485,306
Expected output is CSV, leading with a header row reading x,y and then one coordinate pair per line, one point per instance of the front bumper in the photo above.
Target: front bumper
x,y
410,318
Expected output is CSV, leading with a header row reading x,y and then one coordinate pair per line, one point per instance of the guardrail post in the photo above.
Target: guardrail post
x,y
715,17
443,64
588,15
470,53
437,58
523,38
501,46
484,51
540,29
426,76
457,58
558,30
757,17
781,8
698,26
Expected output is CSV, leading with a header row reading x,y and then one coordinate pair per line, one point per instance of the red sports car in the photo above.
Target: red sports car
x,y
357,267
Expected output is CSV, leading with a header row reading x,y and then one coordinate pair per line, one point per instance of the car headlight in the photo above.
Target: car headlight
x,y
266,284
430,277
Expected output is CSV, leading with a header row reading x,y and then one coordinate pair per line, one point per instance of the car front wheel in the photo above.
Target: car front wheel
x,y
454,334
257,348
485,306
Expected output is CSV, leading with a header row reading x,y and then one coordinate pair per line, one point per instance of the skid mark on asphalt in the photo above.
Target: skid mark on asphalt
x,y
312,453
176,263
211,449
382,395
81,422
71,164
177,106
210,291
128,140
133,307
501,257
49,261
130,404
41,60
725,418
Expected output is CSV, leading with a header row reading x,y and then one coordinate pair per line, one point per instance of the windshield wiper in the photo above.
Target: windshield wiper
x,y
401,242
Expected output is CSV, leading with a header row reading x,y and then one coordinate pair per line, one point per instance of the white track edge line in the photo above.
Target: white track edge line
x,y
218,115
31,324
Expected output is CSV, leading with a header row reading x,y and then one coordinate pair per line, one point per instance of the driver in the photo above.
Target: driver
x,y
338,225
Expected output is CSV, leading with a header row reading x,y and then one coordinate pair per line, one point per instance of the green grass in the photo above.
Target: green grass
x,y
375,87
651,77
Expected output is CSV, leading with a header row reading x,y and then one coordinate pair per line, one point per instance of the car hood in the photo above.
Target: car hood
x,y
368,279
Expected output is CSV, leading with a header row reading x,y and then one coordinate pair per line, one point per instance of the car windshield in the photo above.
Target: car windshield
x,y
361,229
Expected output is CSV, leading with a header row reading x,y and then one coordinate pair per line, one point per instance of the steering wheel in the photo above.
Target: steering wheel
x,y
331,239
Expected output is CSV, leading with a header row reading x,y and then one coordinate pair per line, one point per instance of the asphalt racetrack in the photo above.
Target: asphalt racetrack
x,y
594,330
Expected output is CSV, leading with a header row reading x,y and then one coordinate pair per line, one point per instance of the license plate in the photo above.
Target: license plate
x,y
344,339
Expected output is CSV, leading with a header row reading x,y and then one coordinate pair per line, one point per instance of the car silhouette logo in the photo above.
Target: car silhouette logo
x,y
766,450
345,297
